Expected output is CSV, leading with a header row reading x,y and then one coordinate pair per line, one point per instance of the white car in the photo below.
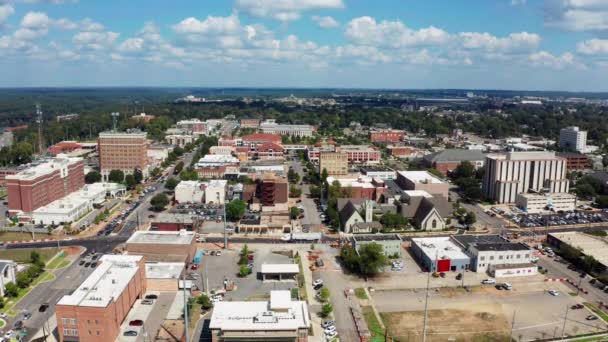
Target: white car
x,y
330,329
534,259
317,282
331,334
327,324
553,292
507,286
489,281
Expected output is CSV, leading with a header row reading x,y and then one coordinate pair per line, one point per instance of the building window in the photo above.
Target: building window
x,y
66,332
73,321
482,258
518,256
434,224
64,321
491,257
74,332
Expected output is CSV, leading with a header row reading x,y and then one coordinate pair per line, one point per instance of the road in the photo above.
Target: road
x,y
311,214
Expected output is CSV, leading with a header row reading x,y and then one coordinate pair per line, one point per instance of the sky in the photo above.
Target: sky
x,y
396,44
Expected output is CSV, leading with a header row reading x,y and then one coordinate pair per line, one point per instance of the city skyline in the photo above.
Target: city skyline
x,y
502,44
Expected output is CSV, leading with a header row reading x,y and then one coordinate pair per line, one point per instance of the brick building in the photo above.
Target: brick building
x,y
250,123
422,180
335,163
122,151
575,161
63,147
272,190
163,246
361,154
97,308
257,139
44,183
447,161
192,126
360,187
386,136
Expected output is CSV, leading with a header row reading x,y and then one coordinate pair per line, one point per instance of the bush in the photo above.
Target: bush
x,y
159,202
205,302
326,310
11,290
244,271
324,294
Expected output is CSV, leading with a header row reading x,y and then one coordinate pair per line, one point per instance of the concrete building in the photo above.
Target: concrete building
x,y
8,272
122,151
190,192
589,245
573,138
513,173
386,136
192,126
379,172
335,163
225,150
534,203
487,252
42,184
361,154
215,191
272,127
448,160
180,140
164,276
360,186
96,309
163,246
575,161
252,141
391,243
216,160
440,254
422,180
250,123
280,272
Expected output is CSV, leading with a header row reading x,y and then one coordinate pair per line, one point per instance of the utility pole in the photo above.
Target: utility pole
x,y
512,325
224,219
426,300
39,122
565,320
114,120
186,321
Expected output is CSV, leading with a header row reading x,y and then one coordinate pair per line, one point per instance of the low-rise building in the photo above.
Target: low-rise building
x,y
335,163
487,252
360,186
215,191
588,245
405,152
356,215
225,150
250,123
422,180
175,222
279,319
96,309
425,211
379,172
63,147
361,154
164,276
280,272
190,192
440,254
272,127
386,136
180,140
216,160
163,246
575,161
391,243
8,272
447,161
534,203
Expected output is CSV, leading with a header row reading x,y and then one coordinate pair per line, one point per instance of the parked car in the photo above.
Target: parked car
x,y
130,333
577,306
136,323
151,296
330,329
591,318
317,282
489,281
459,276
332,334
147,302
553,292
327,324
507,286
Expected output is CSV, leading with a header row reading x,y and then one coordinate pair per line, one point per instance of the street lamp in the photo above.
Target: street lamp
x,y
223,218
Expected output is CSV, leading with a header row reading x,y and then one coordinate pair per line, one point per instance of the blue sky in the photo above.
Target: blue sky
x,y
491,44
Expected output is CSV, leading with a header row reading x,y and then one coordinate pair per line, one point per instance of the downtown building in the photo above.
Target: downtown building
x,y
41,184
573,138
272,127
122,151
513,173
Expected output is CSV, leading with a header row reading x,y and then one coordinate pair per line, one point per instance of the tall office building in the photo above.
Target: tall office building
x,y
335,163
520,172
42,184
573,138
122,151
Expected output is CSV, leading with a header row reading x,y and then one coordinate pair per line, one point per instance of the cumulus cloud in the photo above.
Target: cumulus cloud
x,y
326,22
6,10
546,59
35,21
518,2
577,15
366,31
284,10
93,40
593,47
514,42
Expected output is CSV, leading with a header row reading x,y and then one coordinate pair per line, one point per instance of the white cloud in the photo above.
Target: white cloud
x,y
94,40
518,2
48,1
326,22
284,10
366,31
577,15
6,10
65,24
35,21
514,42
546,59
593,47
131,45
211,25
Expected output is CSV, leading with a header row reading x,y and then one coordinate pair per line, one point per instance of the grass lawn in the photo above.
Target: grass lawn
x,y
360,293
2,323
23,255
373,324
597,311
58,262
10,303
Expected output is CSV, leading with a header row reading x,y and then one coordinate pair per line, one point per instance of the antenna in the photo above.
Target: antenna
x,y
39,122
115,118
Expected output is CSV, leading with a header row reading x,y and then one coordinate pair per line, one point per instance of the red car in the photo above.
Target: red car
x,y
250,257
136,323
194,267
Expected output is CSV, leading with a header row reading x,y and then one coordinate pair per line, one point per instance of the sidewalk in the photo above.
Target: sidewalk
x,y
310,292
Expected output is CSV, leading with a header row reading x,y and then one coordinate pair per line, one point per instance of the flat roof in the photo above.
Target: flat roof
x,y
376,168
252,317
45,168
544,155
280,300
438,248
357,148
587,244
280,268
490,243
545,196
377,237
164,270
421,177
106,283
78,198
417,193
160,237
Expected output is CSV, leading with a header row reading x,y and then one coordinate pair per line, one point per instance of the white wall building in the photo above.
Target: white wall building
x,y
7,273
189,192
214,160
533,203
513,173
271,126
490,251
215,192
573,138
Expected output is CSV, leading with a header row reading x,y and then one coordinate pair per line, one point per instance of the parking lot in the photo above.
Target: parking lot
x,y
251,287
146,317
573,218
485,312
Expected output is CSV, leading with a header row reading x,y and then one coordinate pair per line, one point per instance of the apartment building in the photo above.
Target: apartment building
x,y
97,308
573,138
335,163
272,127
361,154
386,136
422,180
122,151
43,183
513,173
192,126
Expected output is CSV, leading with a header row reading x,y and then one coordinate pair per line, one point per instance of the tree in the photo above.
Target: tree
x,y
235,210
372,259
605,161
188,175
92,177
464,170
159,202
324,175
116,176
393,220
470,218
23,280
585,190
602,201
35,257
326,310
435,172
244,271
138,176
178,167
171,183
295,192
324,294
11,290
130,182
293,176
156,172
204,301
178,151
294,212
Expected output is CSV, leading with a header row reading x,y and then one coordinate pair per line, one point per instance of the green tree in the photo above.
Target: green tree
x,y
602,201
130,182
393,220
293,176
326,310
188,175
159,202
295,192
178,167
294,212
178,151
464,170
171,183
92,177
204,301
138,176
116,176
324,294
470,218
23,280
372,259
435,172
35,257
585,190
244,271
11,289
235,210
156,172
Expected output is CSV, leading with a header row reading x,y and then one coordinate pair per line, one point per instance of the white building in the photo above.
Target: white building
x,y
280,318
534,203
225,150
573,138
180,140
271,126
215,160
189,192
215,191
7,273
77,204
513,173
489,252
